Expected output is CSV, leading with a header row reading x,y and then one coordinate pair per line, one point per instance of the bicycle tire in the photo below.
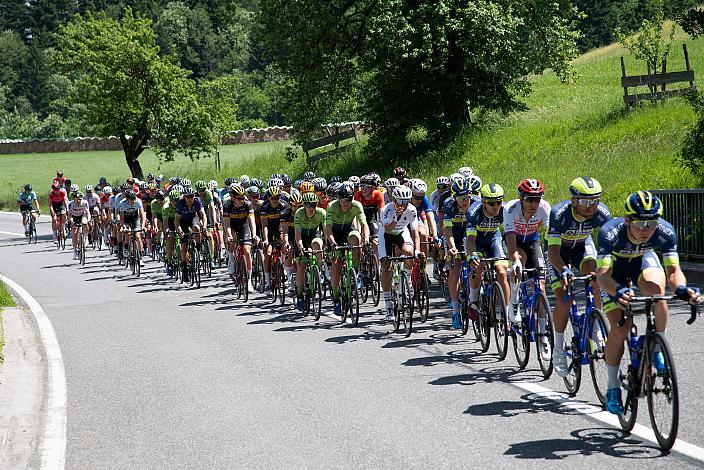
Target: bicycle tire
x,y
665,430
499,316
421,295
364,272
34,233
82,252
629,379
137,260
464,306
484,323
546,366
573,356
397,308
344,295
237,279
476,329
406,304
521,342
63,241
597,348
282,282
317,300
354,299
259,263
244,279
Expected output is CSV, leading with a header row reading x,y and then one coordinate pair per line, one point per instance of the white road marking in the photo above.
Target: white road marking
x,y
13,233
681,447
53,447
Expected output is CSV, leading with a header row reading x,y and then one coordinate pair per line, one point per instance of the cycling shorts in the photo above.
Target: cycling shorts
x,y
341,236
133,222
491,248
26,208
627,271
307,243
387,241
79,219
573,256
243,232
534,253
58,208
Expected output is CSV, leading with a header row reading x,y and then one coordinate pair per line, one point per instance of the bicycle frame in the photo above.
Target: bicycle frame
x,y
529,302
580,322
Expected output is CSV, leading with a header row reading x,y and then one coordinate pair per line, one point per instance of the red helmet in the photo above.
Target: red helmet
x,y
531,187
399,172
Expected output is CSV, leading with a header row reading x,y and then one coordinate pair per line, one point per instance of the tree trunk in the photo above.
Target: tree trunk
x,y
453,97
132,151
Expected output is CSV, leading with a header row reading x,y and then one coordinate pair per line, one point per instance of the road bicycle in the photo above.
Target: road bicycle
x,y
174,262
81,248
277,278
240,276
193,263
31,227
369,270
492,310
585,340
60,233
401,293
134,257
349,291
536,322
312,291
419,281
257,267
639,377
217,245
205,256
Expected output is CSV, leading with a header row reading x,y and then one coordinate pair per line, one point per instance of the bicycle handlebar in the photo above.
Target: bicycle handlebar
x,y
648,300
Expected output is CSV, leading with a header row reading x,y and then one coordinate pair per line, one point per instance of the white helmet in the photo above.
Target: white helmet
x,y
402,193
354,180
74,187
244,180
294,192
466,171
442,180
278,182
213,185
107,190
391,183
419,186
89,188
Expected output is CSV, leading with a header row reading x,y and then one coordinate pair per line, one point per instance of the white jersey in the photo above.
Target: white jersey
x,y
93,200
77,210
407,218
434,199
525,230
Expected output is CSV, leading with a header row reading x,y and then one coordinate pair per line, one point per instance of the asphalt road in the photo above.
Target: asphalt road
x,y
162,376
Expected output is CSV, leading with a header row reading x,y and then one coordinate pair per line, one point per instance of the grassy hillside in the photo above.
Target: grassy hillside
x,y
568,130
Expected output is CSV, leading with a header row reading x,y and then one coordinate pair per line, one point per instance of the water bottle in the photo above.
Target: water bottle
x,y
633,348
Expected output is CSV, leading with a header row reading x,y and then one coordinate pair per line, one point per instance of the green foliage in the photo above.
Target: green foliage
x,y
648,43
692,153
693,22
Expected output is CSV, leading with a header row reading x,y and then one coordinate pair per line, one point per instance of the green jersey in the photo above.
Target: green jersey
x,y
342,221
168,212
158,207
309,225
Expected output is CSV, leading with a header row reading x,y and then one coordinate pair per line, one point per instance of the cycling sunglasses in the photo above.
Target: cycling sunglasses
x,y
239,198
311,205
189,196
533,199
418,197
492,203
365,186
346,199
587,202
403,202
644,224
462,199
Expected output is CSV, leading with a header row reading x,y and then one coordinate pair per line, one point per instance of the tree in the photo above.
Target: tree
x,y
648,43
405,64
128,90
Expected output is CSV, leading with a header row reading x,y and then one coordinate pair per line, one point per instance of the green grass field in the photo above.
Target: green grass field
x,y
568,130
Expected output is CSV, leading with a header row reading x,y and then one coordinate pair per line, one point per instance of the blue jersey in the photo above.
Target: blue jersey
x,y
483,227
565,230
186,214
615,245
26,199
453,217
423,207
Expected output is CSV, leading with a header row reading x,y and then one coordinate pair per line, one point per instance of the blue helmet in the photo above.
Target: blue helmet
x,y
460,188
643,205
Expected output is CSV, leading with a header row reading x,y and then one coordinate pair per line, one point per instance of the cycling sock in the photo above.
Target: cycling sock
x,y
335,293
559,341
541,324
473,294
299,289
455,307
267,278
514,293
387,301
612,372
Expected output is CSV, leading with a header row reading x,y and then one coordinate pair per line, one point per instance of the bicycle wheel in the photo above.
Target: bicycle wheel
x,y
662,393
364,272
316,294
573,356
422,299
544,330
258,267
137,259
521,341
354,299
63,240
282,282
484,323
406,304
629,378
598,332
194,265
499,317
82,252
34,233
99,236
397,307
237,279
375,279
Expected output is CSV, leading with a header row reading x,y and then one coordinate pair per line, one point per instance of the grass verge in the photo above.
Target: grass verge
x,y
6,300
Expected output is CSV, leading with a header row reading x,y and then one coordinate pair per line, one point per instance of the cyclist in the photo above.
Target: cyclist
x,y
79,212
627,252
238,217
454,178
570,246
390,184
524,218
454,215
25,200
58,202
289,235
271,227
442,191
320,186
59,179
187,209
168,217
132,218
401,175
340,216
158,202
400,223
94,206
307,223
426,221
254,198
484,238
373,202
206,198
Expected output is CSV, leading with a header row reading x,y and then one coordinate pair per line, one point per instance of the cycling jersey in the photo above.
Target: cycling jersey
x,y
93,200
57,197
309,225
372,206
237,215
79,210
131,209
187,215
435,199
525,230
408,218
453,217
323,203
441,203
342,221
158,207
615,246
567,231
481,226
422,208
104,200
272,215
26,199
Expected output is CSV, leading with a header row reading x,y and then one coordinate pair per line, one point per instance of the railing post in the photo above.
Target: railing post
x,y
625,88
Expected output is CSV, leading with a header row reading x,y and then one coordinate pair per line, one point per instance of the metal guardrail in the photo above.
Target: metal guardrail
x,y
684,209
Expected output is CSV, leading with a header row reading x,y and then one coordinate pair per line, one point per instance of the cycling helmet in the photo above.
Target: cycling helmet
x,y
346,191
399,172
152,186
475,184
455,177
130,181
308,175
175,195
492,192
186,182
257,182
307,187
273,191
67,182
442,180
367,179
466,171
159,178
375,177
59,173
391,183
27,187
310,198
150,176
419,186
320,185
354,180
460,188
585,187
229,181
294,191
286,179
245,180
296,198
107,190
237,190
200,185
178,188
173,180
74,188
88,188
531,187
160,194
188,191
278,182
333,189
130,194
55,186
78,194
253,190
643,205
125,187
297,183
402,193
336,179
103,180
116,190
143,185
276,176
213,185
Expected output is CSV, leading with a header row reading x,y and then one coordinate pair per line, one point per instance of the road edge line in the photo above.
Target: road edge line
x,y
53,446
